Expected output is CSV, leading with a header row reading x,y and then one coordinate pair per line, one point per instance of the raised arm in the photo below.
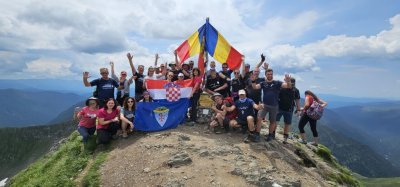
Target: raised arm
x,y
287,83
130,57
261,62
113,72
85,79
243,66
156,60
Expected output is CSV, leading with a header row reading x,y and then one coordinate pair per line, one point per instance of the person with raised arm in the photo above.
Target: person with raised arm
x,y
270,89
124,83
104,86
138,77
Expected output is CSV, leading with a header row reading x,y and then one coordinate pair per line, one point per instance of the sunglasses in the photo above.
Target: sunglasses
x,y
130,101
91,103
236,72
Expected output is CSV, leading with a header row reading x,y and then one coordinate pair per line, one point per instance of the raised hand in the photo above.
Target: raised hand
x,y
130,57
265,66
262,58
86,75
157,57
111,63
175,53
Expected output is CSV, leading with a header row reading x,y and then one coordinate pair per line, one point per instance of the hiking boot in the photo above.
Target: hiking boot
x,y
314,144
269,137
302,141
285,141
249,138
256,138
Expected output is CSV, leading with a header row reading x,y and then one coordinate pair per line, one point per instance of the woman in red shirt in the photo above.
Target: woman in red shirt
x,y
195,95
108,122
87,118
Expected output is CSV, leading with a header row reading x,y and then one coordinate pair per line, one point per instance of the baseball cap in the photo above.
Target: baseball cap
x,y
242,92
180,75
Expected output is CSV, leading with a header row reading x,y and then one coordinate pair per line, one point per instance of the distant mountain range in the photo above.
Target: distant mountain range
x,y
27,108
376,125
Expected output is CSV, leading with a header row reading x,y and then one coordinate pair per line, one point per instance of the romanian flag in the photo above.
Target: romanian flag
x,y
215,44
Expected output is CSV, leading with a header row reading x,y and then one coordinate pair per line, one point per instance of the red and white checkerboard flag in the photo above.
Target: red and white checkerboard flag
x,y
171,91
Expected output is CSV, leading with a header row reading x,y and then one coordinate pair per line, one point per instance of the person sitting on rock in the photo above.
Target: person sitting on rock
x,y
127,116
217,119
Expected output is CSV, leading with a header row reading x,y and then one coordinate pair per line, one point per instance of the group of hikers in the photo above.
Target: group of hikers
x,y
239,102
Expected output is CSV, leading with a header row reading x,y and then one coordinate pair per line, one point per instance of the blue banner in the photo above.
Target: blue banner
x,y
160,115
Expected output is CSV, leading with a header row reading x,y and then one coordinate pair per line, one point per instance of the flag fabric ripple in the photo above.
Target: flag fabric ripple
x,y
171,101
215,44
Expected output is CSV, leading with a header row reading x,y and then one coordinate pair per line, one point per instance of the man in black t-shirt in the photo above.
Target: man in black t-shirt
x,y
288,98
138,77
215,84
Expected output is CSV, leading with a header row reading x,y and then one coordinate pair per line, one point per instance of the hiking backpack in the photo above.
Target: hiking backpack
x,y
315,111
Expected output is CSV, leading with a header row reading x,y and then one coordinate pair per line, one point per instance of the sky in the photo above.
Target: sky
x,y
348,48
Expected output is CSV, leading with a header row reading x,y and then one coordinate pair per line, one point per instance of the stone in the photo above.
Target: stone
x,y
146,170
183,137
236,171
179,159
306,159
204,153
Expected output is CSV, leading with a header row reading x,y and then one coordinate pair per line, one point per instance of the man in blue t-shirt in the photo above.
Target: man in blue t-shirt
x,y
270,89
245,118
104,86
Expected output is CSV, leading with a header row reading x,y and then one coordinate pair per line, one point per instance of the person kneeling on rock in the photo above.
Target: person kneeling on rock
x,y
246,115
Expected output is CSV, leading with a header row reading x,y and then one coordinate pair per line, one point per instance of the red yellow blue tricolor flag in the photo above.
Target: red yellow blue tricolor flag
x,y
214,44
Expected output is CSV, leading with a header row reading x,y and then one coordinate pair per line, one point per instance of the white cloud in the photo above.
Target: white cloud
x,y
48,68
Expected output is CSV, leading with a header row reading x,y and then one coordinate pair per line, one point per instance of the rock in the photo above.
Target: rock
x,y
306,160
237,171
179,159
204,153
174,183
183,137
146,170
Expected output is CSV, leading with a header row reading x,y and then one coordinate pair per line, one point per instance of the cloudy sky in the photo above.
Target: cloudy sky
x,y
349,48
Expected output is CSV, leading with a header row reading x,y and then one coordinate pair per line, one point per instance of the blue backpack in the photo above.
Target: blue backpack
x,y
315,111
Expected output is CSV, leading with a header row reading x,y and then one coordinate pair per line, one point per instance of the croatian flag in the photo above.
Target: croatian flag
x,y
171,101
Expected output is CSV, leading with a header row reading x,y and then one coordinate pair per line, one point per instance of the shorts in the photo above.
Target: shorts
x,y
241,122
272,110
287,116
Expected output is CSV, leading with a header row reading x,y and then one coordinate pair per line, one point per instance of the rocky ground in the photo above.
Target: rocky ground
x,y
194,156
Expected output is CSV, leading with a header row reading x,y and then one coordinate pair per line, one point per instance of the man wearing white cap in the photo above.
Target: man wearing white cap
x,y
245,118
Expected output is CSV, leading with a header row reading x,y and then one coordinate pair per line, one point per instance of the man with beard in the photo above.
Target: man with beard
x,y
270,89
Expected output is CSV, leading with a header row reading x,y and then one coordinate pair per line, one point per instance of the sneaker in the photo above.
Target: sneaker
x,y
269,137
124,135
285,141
273,135
256,138
302,141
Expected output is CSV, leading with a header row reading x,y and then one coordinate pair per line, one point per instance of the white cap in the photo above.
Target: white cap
x,y
242,92
180,75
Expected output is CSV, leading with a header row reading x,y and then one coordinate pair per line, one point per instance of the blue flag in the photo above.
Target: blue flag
x,y
160,115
